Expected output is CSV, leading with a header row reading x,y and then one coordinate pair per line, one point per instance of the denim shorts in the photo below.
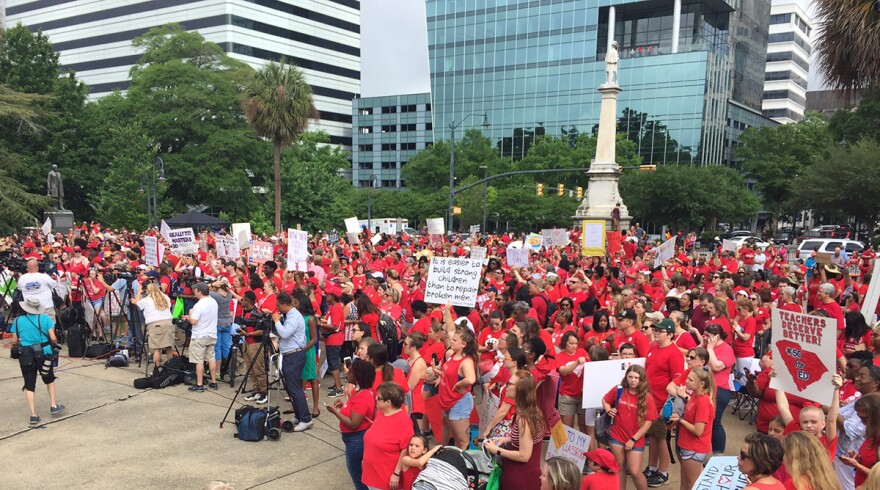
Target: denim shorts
x,y
615,442
462,408
687,454
333,352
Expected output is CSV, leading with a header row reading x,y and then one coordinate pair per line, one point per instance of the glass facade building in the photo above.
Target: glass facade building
x,y
386,133
788,65
533,68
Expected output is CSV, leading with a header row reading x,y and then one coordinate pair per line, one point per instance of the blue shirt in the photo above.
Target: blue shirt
x,y
292,332
26,328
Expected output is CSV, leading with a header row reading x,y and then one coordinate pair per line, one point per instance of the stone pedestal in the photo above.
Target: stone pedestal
x,y
602,195
62,220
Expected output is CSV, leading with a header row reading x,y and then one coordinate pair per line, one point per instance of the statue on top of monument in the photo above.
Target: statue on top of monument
x,y
611,60
55,186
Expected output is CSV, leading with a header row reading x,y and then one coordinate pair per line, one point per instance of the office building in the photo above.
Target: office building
x,y
93,38
828,102
386,133
788,64
533,68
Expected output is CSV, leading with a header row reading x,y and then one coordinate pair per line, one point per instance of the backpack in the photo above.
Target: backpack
x,y
252,423
389,336
551,308
604,421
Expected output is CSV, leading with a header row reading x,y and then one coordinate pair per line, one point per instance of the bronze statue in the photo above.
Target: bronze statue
x,y
55,186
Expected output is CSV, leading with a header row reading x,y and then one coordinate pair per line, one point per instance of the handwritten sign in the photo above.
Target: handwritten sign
x,y
728,245
475,229
353,238
478,253
455,280
517,257
436,226
242,231
593,238
151,251
573,447
183,241
297,250
259,252
333,237
488,406
803,354
227,246
534,242
352,225
721,473
664,252
601,376
555,237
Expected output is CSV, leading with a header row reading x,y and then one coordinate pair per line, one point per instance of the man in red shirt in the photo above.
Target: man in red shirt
x,y
664,363
825,296
627,333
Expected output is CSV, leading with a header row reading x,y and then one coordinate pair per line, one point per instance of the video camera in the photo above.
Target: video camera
x,y
18,264
257,321
111,277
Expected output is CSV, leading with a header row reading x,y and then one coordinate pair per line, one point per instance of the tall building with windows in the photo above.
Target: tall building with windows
x,y
788,64
386,133
93,38
533,68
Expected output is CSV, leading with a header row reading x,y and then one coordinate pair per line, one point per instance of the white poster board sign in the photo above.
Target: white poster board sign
x,y
297,250
873,295
183,241
804,347
436,226
259,252
593,238
151,251
517,257
488,406
352,225
664,252
555,237
375,239
534,242
728,245
453,280
601,376
721,473
475,229
352,238
478,253
576,445
242,231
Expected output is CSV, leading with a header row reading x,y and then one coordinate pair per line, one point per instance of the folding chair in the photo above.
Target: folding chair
x,y
744,405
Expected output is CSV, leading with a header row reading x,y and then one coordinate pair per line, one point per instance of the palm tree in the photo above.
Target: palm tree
x,y
847,40
278,105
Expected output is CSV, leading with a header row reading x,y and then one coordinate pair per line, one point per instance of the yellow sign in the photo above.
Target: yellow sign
x,y
557,432
456,210
593,238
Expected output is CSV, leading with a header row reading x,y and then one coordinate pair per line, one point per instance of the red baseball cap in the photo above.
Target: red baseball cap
x,y
603,458
29,245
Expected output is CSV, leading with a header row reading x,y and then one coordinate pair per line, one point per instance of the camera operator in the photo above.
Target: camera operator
x,y
219,290
292,336
34,332
156,307
39,285
252,337
203,317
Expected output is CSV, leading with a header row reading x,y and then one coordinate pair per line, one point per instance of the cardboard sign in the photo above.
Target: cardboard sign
x,y
259,252
728,245
593,238
573,447
517,257
375,239
297,250
664,252
161,251
555,237
534,242
436,226
478,253
804,347
488,406
721,473
352,225
227,247
455,280
601,376
242,231
823,258
151,251
183,241
873,295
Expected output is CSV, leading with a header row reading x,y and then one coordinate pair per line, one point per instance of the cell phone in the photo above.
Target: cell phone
x,y
434,358
347,362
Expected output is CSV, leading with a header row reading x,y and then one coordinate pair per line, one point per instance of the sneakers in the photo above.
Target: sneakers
x,y
649,473
252,397
57,409
261,400
334,392
213,386
197,388
35,419
657,479
303,426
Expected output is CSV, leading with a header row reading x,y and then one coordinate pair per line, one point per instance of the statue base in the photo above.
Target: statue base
x,y
62,220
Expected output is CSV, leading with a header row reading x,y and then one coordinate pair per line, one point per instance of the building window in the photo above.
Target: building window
x,y
389,165
389,146
780,19
407,146
365,165
366,111
429,126
365,147
364,183
428,107
365,129
389,183
429,144
389,109
408,127
788,56
389,128
408,108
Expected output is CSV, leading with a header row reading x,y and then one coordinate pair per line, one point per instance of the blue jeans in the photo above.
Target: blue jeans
x,y
719,437
354,456
224,343
291,370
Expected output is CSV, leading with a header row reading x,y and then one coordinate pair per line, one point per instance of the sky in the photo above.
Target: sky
x,y
394,47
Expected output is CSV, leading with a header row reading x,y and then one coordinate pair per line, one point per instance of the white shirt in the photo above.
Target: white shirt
x,y
205,313
760,260
151,314
37,285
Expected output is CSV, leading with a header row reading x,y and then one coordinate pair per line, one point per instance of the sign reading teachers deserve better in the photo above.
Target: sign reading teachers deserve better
x,y
803,355
453,280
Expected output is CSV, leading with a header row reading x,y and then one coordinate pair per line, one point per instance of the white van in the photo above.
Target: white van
x,y
827,245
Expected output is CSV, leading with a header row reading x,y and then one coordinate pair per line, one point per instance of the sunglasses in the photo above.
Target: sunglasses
x,y
743,456
380,399
753,298
691,358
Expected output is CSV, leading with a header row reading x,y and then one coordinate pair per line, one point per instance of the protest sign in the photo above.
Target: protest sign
x,y
534,242
593,238
804,347
455,280
333,237
488,406
614,242
352,225
664,252
517,257
259,252
555,237
436,226
721,473
227,246
183,241
151,251
478,253
475,229
873,294
352,238
47,226
375,239
573,449
164,229
161,251
297,250
242,231
823,258
728,245
601,376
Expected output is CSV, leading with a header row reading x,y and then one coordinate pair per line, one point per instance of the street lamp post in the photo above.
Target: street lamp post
x,y
453,126
485,196
373,180
158,164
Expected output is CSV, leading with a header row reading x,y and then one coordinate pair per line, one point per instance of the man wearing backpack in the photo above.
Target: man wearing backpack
x,y
540,301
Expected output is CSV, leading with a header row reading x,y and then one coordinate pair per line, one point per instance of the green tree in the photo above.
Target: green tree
x,y
849,126
428,170
27,61
121,198
278,105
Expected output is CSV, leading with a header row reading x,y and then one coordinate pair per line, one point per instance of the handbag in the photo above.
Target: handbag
x,y
605,421
15,353
501,429
494,482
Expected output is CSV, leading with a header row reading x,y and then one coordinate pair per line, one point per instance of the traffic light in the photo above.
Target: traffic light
x,y
561,190
540,190
647,168
580,193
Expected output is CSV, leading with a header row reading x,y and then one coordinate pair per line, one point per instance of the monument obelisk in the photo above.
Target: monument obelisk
x,y
602,197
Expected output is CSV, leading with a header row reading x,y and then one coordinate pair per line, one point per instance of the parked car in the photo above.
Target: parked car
x,y
741,240
826,231
735,234
827,245
785,236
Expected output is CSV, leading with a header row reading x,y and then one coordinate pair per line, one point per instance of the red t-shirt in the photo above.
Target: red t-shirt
x,y
626,423
336,316
372,319
383,443
744,348
600,481
663,364
363,402
637,338
422,325
399,378
698,409
685,341
572,384
485,335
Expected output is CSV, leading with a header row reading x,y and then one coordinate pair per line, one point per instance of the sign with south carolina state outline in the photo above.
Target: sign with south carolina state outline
x,y
804,347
